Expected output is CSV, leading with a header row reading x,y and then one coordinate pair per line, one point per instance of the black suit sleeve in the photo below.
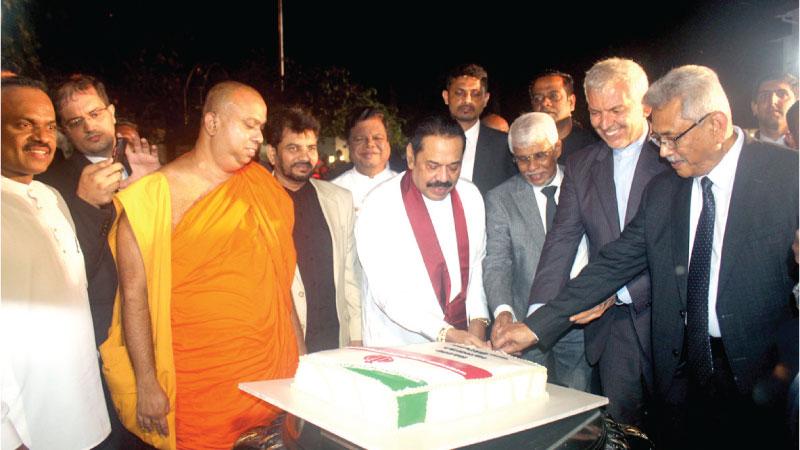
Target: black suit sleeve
x,y
616,264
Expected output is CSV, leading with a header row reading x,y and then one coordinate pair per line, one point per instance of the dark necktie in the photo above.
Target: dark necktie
x,y
550,211
699,345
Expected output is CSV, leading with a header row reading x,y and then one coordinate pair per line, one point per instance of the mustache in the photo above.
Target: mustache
x,y
306,164
439,184
36,145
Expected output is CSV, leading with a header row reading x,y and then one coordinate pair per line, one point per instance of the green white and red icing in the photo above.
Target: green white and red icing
x,y
468,371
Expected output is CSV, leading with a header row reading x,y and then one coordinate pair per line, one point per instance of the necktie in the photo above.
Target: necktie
x,y
550,211
699,345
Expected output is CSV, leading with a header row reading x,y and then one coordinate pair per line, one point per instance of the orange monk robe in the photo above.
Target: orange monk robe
x,y
218,288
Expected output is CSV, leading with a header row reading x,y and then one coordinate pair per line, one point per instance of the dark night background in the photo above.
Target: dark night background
x,y
402,49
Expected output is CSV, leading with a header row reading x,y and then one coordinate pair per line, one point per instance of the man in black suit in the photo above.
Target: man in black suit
x,y
716,235
87,181
602,187
553,92
487,161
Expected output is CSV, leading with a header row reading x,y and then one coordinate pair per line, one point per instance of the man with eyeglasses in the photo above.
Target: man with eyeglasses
x,y
87,181
486,162
368,140
602,187
552,92
772,98
715,234
325,290
519,213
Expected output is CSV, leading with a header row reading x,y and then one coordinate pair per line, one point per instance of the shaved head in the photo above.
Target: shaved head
x,y
225,93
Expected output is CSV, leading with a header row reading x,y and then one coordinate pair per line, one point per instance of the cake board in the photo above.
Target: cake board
x,y
562,402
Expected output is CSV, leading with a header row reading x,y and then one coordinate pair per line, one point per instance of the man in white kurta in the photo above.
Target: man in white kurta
x,y
401,305
51,392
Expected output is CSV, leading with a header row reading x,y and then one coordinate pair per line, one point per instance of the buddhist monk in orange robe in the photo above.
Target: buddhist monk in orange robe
x,y
206,260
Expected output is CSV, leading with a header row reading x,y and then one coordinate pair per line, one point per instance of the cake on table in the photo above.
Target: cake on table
x,y
434,382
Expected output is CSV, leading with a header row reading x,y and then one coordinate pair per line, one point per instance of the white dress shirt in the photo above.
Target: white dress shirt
x,y
51,392
468,161
625,160
399,304
722,177
360,185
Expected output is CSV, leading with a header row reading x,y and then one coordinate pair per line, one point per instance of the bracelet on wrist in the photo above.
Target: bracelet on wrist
x,y
442,336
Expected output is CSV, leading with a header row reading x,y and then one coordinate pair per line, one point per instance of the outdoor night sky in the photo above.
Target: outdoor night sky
x,y
404,48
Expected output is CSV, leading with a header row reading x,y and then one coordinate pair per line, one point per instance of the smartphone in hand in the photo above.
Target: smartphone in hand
x,y
118,155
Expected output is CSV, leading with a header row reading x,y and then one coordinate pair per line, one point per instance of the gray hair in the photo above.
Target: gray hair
x,y
698,89
532,128
615,70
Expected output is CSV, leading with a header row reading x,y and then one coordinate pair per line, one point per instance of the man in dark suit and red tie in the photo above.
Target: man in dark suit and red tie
x,y
716,235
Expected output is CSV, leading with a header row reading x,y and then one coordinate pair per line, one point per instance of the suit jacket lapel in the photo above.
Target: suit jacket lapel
x,y
747,188
603,178
526,202
680,232
330,209
482,158
647,166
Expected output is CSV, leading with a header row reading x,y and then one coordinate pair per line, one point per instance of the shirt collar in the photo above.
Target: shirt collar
x,y
36,191
556,181
378,175
633,147
472,132
723,173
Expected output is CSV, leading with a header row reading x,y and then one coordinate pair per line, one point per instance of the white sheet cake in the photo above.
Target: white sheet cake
x,y
434,382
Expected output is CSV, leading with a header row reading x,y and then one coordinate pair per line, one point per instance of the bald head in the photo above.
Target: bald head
x,y
228,92
495,121
234,116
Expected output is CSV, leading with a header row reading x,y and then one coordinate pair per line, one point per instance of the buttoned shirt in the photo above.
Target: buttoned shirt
x,y
360,185
722,177
625,160
51,392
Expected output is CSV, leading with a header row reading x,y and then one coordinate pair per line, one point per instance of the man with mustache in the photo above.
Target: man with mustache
x,y
772,98
519,212
326,291
51,392
602,187
486,161
552,92
421,240
715,234
368,140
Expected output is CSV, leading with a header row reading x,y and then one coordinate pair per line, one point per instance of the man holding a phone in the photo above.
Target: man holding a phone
x,y
88,181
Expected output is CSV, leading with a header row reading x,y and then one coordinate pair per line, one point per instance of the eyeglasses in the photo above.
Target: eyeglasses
x,y
77,122
538,157
553,96
672,142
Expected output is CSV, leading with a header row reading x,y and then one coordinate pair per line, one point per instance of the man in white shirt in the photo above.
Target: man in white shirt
x,y
368,141
486,161
424,282
515,234
51,392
